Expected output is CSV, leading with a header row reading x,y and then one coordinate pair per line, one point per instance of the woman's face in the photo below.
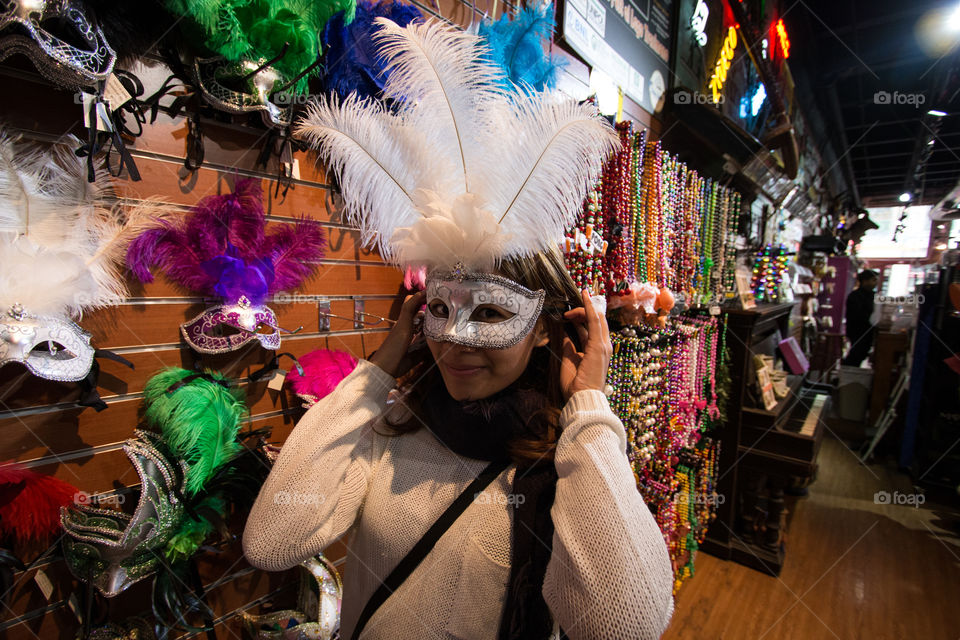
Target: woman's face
x,y
471,373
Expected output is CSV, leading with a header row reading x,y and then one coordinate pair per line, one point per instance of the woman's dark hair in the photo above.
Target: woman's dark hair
x,y
537,441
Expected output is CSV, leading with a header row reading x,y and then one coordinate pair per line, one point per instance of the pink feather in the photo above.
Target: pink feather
x,y
415,278
323,370
30,503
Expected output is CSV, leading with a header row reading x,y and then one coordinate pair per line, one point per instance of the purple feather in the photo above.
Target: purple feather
x,y
172,250
221,248
236,218
294,250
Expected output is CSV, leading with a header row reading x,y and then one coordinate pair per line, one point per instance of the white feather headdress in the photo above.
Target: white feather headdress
x,y
461,171
62,240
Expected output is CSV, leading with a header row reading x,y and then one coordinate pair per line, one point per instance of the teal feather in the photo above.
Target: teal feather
x,y
199,421
517,46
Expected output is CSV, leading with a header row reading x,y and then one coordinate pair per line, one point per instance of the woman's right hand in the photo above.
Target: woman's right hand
x,y
393,350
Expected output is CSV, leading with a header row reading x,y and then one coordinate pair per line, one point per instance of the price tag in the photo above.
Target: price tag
x,y
276,382
103,118
74,605
714,310
295,169
115,93
43,581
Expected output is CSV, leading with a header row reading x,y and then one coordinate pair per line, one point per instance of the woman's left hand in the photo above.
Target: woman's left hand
x,y
587,369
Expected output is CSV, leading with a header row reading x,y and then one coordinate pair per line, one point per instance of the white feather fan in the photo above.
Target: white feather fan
x,y
461,170
61,241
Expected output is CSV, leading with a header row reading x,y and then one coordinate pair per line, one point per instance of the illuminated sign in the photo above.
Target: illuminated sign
x,y
751,105
783,38
719,76
699,22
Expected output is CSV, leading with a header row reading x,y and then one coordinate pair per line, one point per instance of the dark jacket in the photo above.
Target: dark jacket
x,y
859,310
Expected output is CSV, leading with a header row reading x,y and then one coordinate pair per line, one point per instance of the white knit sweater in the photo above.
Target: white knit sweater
x,y
609,575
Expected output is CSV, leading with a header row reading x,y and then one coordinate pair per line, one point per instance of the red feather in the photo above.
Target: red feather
x,y
30,503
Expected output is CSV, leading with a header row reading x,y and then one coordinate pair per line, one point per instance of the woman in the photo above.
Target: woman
x,y
494,499
343,469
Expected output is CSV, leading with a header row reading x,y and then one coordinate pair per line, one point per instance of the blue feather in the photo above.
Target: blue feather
x,y
351,61
517,47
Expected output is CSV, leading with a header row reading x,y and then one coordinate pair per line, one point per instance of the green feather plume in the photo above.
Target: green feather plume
x,y
256,30
199,421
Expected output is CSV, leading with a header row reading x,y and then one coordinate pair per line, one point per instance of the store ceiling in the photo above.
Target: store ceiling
x,y
873,84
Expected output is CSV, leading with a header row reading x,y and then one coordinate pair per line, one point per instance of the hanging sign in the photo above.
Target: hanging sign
x,y
628,40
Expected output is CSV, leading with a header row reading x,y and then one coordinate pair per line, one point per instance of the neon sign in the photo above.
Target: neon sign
x,y
698,22
784,39
719,76
750,105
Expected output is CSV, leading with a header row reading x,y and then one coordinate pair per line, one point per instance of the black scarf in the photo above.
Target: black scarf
x,y
482,429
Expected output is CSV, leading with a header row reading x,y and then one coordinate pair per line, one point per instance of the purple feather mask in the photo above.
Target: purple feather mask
x,y
221,249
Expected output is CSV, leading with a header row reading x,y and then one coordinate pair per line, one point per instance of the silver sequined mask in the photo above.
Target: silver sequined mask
x,y
455,302
24,28
113,549
68,355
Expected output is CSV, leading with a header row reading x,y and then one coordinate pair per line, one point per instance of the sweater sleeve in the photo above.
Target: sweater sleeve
x,y
317,485
609,575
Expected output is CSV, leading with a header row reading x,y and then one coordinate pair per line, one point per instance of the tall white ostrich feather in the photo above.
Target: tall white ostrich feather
x,y
62,238
460,170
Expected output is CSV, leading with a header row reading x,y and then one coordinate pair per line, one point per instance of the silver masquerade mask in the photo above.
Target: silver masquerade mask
x,y
480,310
22,30
68,356
205,332
113,549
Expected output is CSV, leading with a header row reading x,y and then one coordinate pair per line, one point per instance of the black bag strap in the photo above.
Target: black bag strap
x,y
420,550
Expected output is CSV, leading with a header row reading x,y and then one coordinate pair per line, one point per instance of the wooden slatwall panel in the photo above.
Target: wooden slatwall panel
x,y
42,429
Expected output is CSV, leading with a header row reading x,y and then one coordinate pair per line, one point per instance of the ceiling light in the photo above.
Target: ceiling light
x,y
931,141
906,196
953,21
936,112
941,246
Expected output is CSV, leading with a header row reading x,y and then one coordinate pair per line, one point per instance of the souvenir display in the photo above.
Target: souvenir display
x,y
351,63
62,244
432,185
317,616
516,45
323,370
74,55
653,230
223,249
769,273
664,388
193,471
30,504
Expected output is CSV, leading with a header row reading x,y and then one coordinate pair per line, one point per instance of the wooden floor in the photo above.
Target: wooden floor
x,y
854,568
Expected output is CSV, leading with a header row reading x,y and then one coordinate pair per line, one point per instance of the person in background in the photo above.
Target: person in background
x,y
859,310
